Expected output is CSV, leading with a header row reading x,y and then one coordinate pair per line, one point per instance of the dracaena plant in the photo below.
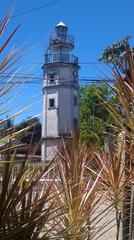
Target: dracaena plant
x,y
114,182
27,203
26,199
9,66
80,197
124,91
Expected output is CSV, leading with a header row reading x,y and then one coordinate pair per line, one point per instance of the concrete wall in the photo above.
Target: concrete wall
x,y
105,224
50,148
65,110
59,120
50,116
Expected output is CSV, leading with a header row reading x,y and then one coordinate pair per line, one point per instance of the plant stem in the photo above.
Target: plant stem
x,y
118,220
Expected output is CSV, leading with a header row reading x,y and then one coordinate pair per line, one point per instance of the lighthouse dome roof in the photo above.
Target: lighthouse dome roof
x,y
61,24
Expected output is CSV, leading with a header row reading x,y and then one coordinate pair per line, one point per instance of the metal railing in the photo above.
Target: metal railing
x,y
62,38
61,57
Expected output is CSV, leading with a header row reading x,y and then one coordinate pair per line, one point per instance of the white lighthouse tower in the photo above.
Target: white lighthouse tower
x,y
60,91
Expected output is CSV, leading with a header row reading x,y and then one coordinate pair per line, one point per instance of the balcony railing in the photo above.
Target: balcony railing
x,y
62,38
61,57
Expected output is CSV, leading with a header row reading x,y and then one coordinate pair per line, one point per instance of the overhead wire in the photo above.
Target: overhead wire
x,y
36,8
41,78
80,63
36,79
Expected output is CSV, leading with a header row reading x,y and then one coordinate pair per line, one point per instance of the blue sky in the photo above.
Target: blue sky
x,y
95,24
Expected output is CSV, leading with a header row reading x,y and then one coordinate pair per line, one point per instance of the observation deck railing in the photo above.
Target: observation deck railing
x,y
61,57
61,39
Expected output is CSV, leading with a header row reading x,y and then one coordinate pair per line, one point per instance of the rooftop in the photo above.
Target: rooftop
x,y
61,24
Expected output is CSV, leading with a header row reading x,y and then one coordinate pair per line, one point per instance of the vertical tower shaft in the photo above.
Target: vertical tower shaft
x,y
60,91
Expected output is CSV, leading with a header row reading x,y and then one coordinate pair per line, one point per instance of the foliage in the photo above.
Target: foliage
x,y
80,198
33,134
66,199
114,181
8,69
22,213
124,90
5,127
116,53
93,123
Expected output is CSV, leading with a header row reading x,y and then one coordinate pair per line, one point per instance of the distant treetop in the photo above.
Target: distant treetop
x,y
116,52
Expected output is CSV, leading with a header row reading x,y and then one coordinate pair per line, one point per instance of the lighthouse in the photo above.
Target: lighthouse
x,y
60,92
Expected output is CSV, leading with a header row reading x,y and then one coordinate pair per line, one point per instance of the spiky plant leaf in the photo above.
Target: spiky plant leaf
x,y
80,198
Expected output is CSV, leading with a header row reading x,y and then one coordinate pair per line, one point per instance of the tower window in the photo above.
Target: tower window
x,y
52,77
51,103
75,100
75,124
75,75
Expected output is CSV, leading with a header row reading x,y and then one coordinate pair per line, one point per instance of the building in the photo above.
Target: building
x,y
60,91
